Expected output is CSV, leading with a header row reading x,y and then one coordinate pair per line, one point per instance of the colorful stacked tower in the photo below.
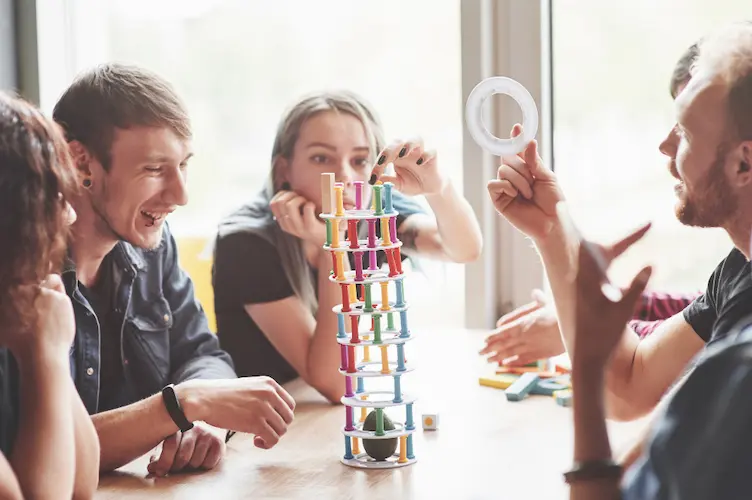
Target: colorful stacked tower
x,y
360,300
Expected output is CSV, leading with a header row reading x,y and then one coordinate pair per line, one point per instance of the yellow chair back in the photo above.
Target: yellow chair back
x,y
192,258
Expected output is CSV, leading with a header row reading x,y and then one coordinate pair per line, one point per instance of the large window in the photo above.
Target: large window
x,y
239,64
612,63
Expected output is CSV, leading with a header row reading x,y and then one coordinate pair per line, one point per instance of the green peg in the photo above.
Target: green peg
x,y
369,306
379,421
379,209
377,329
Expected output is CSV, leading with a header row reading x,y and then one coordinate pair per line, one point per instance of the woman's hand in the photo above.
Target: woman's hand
x,y
297,216
55,326
416,169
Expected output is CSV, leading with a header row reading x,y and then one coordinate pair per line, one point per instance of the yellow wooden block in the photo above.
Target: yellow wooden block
x,y
519,370
499,380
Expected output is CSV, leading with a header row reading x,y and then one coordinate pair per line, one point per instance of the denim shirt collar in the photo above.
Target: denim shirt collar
x,y
124,254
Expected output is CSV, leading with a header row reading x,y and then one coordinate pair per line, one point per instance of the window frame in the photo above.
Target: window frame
x,y
492,44
510,38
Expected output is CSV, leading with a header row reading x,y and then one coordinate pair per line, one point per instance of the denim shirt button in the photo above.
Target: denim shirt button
x,y
90,371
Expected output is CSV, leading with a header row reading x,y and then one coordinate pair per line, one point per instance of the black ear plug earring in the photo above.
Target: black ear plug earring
x,y
87,183
744,167
285,186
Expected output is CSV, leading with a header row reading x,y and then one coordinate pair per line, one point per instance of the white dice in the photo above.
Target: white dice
x,y
430,421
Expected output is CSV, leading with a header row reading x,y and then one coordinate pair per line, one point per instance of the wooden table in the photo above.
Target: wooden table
x,y
485,447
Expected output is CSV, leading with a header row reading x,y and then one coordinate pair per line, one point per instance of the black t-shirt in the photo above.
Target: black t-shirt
x,y
248,270
728,299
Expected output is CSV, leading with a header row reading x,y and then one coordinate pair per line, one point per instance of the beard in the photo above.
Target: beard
x,y
713,202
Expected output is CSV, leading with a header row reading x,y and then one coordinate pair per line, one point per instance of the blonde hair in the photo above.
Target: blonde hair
x,y
727,53
256,217
342,101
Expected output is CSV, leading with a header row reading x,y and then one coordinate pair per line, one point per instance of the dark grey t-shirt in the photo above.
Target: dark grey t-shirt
x,y
701,447
727,299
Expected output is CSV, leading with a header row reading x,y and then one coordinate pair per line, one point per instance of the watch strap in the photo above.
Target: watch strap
x,y
593,470
170,399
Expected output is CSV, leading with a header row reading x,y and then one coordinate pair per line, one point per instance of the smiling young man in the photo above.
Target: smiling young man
x,y
139,327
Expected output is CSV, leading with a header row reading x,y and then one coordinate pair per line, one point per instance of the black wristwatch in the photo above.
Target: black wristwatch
x,y
592,470
173,408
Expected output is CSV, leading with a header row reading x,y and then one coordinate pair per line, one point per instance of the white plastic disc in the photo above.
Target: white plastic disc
x,y
363,461
474,118
376,399
399,430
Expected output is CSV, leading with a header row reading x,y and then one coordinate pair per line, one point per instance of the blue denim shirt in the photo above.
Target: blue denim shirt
x,y
164,334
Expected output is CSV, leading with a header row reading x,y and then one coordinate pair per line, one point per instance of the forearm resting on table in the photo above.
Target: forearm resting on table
x,y
458,229
127,433
324,352
44,455
306,340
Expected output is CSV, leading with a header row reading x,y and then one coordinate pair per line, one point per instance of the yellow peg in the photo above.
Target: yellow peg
x,y
335,233
340,266
403,450
384,360
384,296
363,410
385,239
338,187
366,354
353,293
356,446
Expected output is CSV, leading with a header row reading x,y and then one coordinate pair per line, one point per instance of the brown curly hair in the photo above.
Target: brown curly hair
x,y
36,177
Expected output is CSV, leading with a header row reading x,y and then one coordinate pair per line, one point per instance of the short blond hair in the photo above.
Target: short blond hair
x,y
727,53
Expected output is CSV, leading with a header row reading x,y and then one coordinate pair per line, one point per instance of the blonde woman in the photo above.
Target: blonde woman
x,y
273,305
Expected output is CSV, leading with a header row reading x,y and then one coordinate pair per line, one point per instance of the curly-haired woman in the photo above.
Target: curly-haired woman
x,y
49,445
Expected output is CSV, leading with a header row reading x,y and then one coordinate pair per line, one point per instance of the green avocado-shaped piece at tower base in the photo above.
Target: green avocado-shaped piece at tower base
x,y
379,449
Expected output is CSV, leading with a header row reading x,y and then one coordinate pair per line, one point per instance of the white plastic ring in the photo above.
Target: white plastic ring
x,y
474,118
